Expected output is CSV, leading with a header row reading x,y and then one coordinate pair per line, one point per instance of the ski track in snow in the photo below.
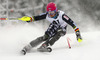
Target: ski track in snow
x,y
14,38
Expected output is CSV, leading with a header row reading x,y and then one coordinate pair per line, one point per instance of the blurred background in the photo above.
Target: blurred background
x,y
85,13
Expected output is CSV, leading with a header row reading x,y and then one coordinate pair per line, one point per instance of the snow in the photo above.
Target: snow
x,y
14,38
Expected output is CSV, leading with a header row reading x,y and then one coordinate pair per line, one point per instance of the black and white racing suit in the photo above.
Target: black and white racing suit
x,y
56,29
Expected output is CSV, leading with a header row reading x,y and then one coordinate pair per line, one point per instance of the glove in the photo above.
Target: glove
x,y
28,19
79,38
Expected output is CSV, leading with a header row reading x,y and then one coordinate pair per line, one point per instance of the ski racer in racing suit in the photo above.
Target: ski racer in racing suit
x,y
57,28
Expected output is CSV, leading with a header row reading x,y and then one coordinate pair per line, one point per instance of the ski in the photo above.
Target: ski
x,y
24,52
44,49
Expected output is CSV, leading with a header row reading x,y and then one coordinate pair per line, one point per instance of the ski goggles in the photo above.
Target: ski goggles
x,y
52,13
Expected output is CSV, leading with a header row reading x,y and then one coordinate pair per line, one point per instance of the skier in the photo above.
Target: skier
x,y
57,28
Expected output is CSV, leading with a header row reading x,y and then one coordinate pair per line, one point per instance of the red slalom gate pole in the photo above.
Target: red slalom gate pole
x,y
68,39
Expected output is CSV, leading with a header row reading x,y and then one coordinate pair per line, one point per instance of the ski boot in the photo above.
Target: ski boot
x,y
44,48
23,52
26,49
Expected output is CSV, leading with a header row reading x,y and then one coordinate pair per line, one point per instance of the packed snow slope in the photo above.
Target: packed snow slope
x,y
14,38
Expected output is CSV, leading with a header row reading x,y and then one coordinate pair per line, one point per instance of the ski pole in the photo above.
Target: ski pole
x,y
10,18
68,39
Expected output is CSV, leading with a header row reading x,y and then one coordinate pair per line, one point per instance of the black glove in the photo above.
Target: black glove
x,y
78,36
